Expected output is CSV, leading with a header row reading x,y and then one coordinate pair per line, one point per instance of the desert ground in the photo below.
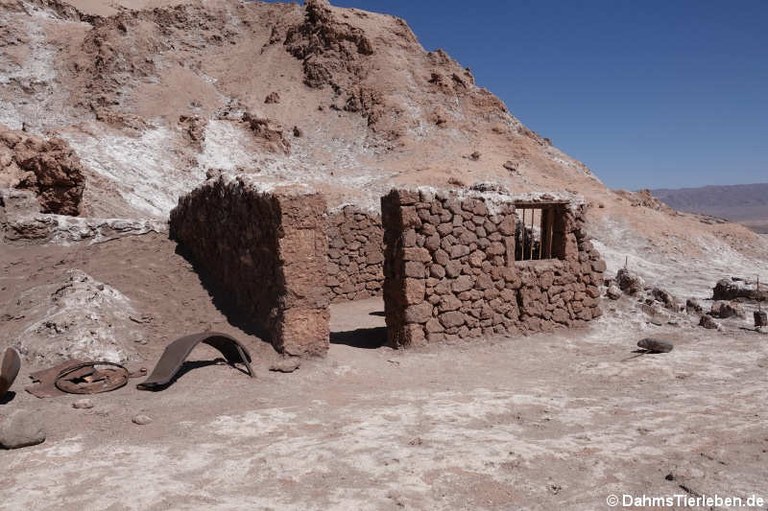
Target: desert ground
x,y
548,421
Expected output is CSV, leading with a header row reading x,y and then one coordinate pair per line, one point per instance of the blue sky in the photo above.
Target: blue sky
x,y
647,93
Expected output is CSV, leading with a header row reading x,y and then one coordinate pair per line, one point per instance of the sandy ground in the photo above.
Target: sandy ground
x,y
557,421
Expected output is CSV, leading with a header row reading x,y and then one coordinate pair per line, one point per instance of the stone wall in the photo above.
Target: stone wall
x,y
266,251
450,270
355,254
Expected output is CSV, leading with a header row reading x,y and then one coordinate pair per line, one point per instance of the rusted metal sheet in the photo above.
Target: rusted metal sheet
x,y
177,352
9,370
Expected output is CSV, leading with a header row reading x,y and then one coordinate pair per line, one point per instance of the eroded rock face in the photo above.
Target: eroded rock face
x,y
335,54
328,48
50,168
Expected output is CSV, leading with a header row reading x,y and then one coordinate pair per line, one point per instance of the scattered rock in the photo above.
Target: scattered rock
x,y
656,314
655,345
268,131
82,404
475,156
488,186
629,282
193,129
721,309
692,306
730,289
668,299
761,319
21,429
272,98
645,199
142,420
286,365
708,322
613,292
297,132
510,166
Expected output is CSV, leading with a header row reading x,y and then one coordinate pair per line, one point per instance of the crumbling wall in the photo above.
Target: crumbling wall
x,y
450,270
264,250
355,254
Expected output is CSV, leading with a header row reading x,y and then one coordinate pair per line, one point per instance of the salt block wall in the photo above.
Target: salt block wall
x,y
355,254
267,251
450,271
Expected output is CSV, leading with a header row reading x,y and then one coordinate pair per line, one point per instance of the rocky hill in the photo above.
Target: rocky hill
x,y
151,96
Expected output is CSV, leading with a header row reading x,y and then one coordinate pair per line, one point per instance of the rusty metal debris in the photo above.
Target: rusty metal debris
x,y
81,377
176,353
92,378
9,370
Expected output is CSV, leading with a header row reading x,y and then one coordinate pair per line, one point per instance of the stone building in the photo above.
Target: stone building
x,y
467,265
451,264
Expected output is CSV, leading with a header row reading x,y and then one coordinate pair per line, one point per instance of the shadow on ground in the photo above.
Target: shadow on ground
x,y
366,338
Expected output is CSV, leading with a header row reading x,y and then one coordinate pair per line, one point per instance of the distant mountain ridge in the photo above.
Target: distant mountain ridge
x,y
746,204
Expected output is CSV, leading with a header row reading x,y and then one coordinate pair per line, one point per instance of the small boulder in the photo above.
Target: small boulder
x,y
656,314
708,322
613,292
692,306
655,345
510,166
629,282
730,289
82,404
272,98
21,429
286,365
142,420
668,299
722,309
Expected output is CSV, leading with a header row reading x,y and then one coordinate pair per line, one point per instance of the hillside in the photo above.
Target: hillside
x,y
153,96
746,204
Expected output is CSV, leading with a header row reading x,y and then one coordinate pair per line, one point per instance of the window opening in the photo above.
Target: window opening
x,y
537,233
